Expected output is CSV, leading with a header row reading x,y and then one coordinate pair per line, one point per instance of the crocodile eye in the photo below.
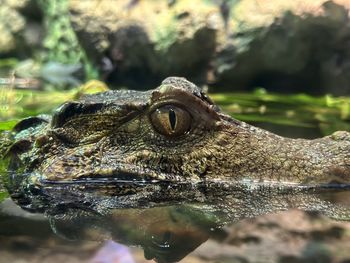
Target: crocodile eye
x,y
170,120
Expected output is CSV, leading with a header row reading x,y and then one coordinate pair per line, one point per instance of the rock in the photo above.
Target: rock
x,y
294,47
140,43
11,25
285,46
20,28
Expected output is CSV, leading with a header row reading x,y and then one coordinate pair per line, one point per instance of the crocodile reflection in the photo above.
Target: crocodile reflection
x,y
168,233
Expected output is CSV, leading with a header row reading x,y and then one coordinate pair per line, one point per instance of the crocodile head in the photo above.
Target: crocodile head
x,y
146,146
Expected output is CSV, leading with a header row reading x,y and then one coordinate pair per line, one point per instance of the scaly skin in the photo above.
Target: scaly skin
x,y
90,145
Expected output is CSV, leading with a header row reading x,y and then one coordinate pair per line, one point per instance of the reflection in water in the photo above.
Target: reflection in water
x,y
169,230
166,233
169,233
159,218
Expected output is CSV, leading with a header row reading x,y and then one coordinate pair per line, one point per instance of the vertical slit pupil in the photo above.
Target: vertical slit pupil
x,y
172,119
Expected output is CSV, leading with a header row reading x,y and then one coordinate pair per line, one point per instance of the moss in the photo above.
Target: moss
x,y
61,43
165,36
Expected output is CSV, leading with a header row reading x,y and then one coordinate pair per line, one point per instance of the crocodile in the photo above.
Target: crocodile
x,y
125,148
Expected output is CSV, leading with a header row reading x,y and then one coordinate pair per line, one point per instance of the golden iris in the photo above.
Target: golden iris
x,y
171,121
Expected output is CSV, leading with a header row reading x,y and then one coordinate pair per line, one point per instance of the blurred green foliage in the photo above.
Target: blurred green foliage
x,y
301,110
3,195
16,104
327,113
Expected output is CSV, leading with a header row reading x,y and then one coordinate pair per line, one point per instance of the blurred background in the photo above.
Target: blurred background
x,y
281,65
